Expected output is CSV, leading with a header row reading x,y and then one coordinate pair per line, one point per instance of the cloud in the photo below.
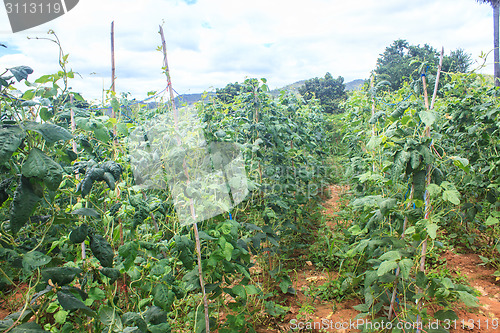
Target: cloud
x,y
213,42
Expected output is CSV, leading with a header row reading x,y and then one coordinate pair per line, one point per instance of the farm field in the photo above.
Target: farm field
x,y
251,212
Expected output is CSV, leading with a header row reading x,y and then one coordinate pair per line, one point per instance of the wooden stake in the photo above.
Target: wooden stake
x,y
113,77
113,115
372,85
437,78
191,203
428,206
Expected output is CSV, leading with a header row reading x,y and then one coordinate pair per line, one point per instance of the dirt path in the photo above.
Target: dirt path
x,y
313,314
486,318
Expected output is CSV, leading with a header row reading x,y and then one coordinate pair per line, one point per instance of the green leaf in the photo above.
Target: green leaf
x,y
443,315
101,250
5,324
461,162
83,123
163,296
60,316
60,275
21,72
251,289
410,230
415,159
45,114
50,132
387,205
110,318
44,79
24,202
122,128
39,165
386,266
134,319
427,117
452,196
21,316
433,190
79,234
228,250
362,307
399,166
115,105
86,212
30,327
35,259
161,328
391,255
69,302
432,230
405,267
112,273
155,316
468,299
491,221
421,280
373,120
128,252
374,143
10,139
101,133
96,294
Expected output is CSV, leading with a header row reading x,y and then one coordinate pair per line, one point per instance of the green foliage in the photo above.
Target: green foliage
x,y
228,94
402,62
329,91
414,159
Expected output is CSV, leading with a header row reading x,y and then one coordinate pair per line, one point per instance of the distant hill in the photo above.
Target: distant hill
x,y
354,85
291,87
190,99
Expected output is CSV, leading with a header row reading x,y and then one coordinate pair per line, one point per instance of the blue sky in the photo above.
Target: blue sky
x,y
214,42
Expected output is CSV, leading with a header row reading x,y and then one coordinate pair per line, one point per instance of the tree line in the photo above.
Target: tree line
x,y
399,63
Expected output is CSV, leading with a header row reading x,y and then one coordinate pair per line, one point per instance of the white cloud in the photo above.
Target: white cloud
x,y
213,42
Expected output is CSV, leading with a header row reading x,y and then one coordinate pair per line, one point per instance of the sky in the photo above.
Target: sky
x,y
212,43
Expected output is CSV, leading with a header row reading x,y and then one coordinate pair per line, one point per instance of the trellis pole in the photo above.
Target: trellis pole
x,y
113,76
428,207
113,114
374,132
191,203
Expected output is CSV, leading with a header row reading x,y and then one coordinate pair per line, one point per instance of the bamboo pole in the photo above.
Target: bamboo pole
x,y
437,78
113,114
428,206
191,203
113,77
372,84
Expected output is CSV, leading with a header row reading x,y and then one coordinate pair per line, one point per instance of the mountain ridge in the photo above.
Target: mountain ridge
x,y
190,99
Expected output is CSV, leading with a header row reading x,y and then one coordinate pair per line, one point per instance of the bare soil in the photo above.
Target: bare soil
x,y
485,318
